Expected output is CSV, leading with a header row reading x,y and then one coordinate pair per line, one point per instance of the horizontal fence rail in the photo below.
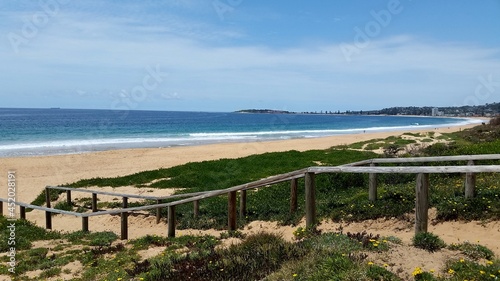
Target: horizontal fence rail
x,y
146,197
436,159
407,170
41,208
370,167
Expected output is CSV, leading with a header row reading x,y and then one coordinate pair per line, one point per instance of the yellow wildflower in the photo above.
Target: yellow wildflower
x,y
417,271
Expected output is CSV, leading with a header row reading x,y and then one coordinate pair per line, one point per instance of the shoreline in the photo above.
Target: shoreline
x,y
92,145
36,172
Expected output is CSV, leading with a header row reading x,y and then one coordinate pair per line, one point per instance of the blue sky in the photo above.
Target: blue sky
x,y
225,55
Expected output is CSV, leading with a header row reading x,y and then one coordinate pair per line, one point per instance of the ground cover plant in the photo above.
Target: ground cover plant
x,y
261,256
462,269
428,241
76,246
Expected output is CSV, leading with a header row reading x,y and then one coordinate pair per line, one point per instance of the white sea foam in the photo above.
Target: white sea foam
x,y
98,144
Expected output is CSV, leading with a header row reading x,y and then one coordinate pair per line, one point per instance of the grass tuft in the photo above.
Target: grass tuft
x,y
428,241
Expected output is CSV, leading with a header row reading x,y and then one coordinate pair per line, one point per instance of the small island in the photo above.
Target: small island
x,y
267,111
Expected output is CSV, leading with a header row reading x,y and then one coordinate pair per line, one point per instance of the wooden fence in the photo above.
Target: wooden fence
x,y
372,167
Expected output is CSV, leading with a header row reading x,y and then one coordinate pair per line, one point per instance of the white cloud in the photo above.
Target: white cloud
x,y
80,51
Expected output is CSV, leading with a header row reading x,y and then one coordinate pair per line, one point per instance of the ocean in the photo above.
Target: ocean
x,y
30,132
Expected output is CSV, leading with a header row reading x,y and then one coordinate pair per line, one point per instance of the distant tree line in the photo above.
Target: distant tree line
x,y
489,109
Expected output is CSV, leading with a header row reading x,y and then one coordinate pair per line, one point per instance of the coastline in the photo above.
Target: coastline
x,y
36,172
25,144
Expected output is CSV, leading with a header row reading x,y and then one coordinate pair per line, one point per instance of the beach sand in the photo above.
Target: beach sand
x,y
34,173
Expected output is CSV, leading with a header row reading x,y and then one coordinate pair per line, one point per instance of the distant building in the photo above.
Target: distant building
x,y
435,111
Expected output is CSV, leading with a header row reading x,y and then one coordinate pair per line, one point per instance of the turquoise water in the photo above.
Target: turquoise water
x,y
25,132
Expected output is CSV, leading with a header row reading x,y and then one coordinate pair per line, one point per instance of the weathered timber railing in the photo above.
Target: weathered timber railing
x,y
421,190
470,181
125,197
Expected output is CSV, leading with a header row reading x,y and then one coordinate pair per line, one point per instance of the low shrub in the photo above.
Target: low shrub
x,y
468,270
428,241
63,205
473,251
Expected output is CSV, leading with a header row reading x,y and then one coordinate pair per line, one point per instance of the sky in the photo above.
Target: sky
x,y
226,55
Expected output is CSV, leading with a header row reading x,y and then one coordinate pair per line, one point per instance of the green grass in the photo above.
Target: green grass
x,y
417,135
374,146
473,251
428,241
359,145
331,256
470,270
214,174
26,233
382,143
63,205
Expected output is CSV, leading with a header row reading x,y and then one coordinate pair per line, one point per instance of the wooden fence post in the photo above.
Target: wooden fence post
x,y
124,228
47,197
310,200
85,224
158,212
196,208
48,215
68,197
243,204
171,221
94,202
470,182
231,210
372,185
293,195
22,212
421,203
